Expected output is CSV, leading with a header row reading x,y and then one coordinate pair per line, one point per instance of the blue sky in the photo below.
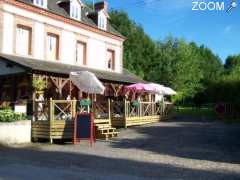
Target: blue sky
x,y
215,29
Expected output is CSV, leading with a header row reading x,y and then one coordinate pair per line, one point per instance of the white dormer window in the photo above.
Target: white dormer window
x,y
41,3
75,10
102,21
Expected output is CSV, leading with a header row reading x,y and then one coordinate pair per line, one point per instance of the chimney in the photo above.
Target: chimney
x,y
101,5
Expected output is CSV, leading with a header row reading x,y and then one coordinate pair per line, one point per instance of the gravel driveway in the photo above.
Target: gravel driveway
x,y
179,149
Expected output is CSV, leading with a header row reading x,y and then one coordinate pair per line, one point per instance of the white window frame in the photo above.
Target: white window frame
x,y
75,11
84,53
50,38
20,43
102,21
40,3
113,59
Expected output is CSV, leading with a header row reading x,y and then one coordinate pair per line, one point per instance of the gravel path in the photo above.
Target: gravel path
x,y
180,149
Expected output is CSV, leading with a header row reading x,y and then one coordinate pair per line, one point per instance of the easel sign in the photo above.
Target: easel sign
x,y
84,128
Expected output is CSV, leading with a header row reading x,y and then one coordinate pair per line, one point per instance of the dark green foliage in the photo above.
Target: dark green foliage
x,y
211,65
227,89
232,62
139,49
7,115
185,67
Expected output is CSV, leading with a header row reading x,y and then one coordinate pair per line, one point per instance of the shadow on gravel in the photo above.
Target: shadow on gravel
x,y
97,164
201,140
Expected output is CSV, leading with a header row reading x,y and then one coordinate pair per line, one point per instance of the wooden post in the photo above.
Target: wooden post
x,y
125,113
109,112
140,109
152,106
35,115
33,93
70,88
51,116
74,103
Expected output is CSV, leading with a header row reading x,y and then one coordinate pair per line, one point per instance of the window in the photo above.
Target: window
x,y
75,11
81,51
52,46
23,40
41,3
102,22
111,59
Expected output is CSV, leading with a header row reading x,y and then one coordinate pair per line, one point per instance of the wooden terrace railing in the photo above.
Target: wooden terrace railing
x,y
55,110
144,109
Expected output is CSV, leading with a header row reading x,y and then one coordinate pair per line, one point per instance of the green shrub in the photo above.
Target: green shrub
x,y
7,115
39,85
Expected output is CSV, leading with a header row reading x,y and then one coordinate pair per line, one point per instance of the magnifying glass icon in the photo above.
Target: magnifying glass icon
x,y
232,5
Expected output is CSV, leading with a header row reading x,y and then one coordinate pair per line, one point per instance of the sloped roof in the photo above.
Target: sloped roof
x,y
56,9
65,69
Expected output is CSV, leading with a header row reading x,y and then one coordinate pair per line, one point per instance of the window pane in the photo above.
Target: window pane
x,y
23,41
52,47
81,53
71,11
76,13
110,59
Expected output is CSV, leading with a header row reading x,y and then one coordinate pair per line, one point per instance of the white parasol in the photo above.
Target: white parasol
x,y
160,89
170,91
87,82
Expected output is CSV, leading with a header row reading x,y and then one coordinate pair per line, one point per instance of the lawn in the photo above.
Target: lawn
x,y
207,111
204,112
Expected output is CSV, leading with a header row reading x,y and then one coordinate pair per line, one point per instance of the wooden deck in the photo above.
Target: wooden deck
x,y
55,120
145,113
134,121
62,129
55,130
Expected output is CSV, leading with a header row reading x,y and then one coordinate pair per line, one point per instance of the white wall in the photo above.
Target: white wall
x,y
96,54
7,33
15,133
97,44
68,47
39,40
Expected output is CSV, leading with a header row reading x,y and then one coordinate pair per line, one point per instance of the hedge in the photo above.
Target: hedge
x,y
8,115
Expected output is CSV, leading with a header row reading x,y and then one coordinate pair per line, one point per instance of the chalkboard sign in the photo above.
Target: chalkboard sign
x,y
84,128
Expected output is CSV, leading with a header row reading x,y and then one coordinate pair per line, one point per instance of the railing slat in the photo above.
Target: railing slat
x,y
144,109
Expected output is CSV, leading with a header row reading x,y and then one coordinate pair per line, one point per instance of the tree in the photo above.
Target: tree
x,y
138,48
173,62
232,62
211,65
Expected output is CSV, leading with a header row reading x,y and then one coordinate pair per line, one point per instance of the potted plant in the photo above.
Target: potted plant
x,y
135,103
85,102
39,86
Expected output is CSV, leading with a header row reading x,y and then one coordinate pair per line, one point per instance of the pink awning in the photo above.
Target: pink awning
x,y
140,87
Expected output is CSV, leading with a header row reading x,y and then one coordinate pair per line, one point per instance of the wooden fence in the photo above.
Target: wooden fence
x,y
138,113
143,109
53,119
